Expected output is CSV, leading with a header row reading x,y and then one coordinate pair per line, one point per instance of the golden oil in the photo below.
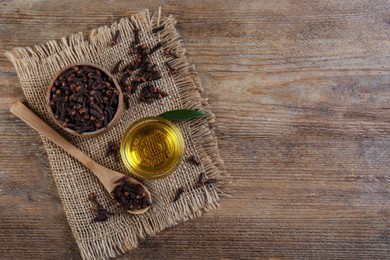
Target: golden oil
x,y
152,147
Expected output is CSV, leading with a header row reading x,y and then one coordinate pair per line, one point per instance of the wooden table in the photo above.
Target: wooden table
x,y
301,93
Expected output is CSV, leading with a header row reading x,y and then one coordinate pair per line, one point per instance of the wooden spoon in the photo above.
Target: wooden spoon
x,y
106,176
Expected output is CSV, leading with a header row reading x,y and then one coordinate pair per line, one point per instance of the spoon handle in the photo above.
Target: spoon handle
x,y
26,115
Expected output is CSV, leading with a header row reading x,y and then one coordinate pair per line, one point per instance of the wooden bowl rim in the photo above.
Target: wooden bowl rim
x,y
118,112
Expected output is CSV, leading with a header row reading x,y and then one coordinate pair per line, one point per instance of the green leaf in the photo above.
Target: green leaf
x,y
182,114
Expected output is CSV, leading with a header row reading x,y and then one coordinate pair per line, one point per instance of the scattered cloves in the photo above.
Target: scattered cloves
x,y
194,160
116,67
210,181
178,193
200,181
124,79
102,213
115,37
157,29
172,70
127,102
136,36
155,48
149,92
113,150
140,71
170,52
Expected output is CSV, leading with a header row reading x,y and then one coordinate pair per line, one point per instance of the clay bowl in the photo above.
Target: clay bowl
x,y
94,132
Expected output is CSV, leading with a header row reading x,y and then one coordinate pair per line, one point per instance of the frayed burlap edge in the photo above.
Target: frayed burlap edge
x,y
62,52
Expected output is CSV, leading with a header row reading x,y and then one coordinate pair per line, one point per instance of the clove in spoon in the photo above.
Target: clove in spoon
x,y
106,176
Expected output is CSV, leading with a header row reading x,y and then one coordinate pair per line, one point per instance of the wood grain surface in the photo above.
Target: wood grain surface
x,y
301,93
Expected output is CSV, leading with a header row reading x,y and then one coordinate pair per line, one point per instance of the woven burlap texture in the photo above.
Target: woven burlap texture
x,y
37,65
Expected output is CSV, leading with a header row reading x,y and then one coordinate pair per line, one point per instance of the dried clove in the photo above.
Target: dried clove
x,y
170,52
157,29
172,70
210,181
136,36
113,150
155,48
178,193
201,180
194,160
115,37
129,67
127,88
124,79
102,213
116,67
127,102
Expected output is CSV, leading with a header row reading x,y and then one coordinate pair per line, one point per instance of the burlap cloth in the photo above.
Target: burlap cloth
x,y
37,65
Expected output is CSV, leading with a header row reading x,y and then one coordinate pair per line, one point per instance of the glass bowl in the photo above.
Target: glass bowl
x,y
152,148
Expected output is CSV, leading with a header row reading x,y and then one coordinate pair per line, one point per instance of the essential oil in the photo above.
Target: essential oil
x,y
152,147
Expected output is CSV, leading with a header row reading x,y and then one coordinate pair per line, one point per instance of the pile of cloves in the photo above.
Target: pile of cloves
x,y
140,71
130,196
84,99
102,214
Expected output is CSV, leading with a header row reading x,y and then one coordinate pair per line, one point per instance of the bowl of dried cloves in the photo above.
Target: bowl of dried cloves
x,y
84,99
